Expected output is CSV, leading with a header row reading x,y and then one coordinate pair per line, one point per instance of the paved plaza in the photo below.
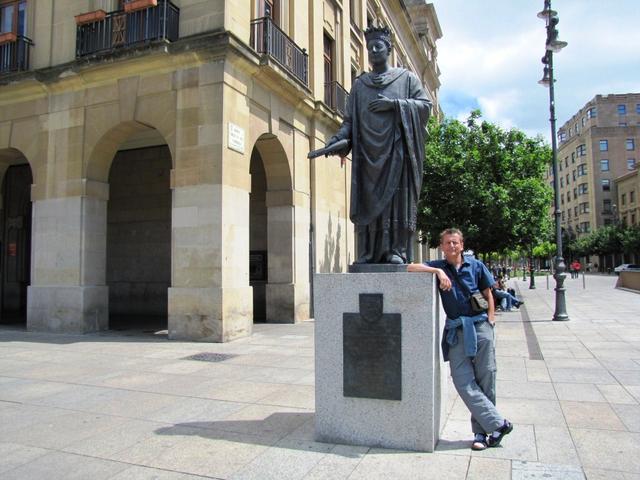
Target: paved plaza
x,y
118,406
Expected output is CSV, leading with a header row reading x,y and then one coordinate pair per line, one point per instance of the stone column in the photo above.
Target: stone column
x,y
68,292
288,257
210,298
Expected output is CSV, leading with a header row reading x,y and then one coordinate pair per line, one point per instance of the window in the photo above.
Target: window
x,y
573,175
561,182
567,179
13,17
606,205
591,113
623,198
631,163
575,211
638,108
573,157
562,136
575,192
632,196
270,8
566,162
584,120
624,220
622,109
560,166
563,215
562,198
582,169
585,227
606,185
604,165
584,207
568,196
633,219
581,151
328,68
631,144
582,188
622,124
569,213
604,145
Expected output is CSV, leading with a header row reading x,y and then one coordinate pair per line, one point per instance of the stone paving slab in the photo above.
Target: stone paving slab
x,y
134,407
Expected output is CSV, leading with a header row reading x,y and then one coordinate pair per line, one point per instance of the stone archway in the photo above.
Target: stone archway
x,y
271,237
16,179
133,163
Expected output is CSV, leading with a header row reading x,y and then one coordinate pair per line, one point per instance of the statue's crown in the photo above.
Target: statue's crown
x,y
378,33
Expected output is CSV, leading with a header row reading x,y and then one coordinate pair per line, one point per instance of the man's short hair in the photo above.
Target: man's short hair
x,y
451,231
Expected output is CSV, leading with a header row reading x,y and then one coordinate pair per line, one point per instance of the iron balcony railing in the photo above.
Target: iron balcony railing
x,y
14,56
335,96
268,39
120,29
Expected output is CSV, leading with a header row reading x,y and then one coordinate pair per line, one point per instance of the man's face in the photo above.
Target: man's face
x,y
452,246
378,52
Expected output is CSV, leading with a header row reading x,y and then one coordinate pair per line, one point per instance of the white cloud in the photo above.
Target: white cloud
x,y
490,57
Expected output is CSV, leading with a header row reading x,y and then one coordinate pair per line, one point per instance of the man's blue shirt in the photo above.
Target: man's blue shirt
x,y
473,274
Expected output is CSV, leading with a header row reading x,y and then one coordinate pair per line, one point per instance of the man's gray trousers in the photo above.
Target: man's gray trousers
x,y
475,378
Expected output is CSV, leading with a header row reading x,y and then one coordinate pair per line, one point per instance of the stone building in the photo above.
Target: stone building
x,y
628,206
153,156
597,145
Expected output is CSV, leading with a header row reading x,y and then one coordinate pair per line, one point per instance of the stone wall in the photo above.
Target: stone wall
x,y
139,232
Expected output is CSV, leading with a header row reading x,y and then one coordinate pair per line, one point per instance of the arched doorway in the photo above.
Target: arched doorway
x,y
15,237
271,233
138,247
258,266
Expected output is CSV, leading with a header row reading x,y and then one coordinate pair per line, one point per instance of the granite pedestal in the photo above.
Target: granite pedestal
x,y
407,412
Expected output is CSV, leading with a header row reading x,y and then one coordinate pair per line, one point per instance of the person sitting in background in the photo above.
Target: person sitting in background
x,y
506,300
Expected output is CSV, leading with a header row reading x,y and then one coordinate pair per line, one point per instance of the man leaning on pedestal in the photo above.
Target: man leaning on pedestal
x,y
468,340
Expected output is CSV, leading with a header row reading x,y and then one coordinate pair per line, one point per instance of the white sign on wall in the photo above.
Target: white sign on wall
x,y
236,138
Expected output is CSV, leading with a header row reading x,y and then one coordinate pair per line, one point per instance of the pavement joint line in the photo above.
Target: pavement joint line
x,y
55,450
535,353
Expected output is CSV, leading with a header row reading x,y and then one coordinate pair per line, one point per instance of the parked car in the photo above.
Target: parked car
x,y
626,266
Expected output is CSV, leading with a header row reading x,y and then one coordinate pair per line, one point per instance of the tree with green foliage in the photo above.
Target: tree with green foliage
x,y
487,181
630,239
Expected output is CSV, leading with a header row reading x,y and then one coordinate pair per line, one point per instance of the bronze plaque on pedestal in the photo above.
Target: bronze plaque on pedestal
x,y
372,351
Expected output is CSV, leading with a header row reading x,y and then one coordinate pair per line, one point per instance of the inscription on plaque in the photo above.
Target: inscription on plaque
x,y
372,351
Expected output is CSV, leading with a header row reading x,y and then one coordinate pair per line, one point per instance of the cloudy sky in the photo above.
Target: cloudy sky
x,y
490,55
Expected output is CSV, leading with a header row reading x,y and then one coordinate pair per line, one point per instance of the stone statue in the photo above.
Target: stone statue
x,y
385,125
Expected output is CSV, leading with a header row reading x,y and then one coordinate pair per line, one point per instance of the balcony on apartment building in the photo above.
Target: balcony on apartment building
x,y
14,52
335,97
141,22
269,40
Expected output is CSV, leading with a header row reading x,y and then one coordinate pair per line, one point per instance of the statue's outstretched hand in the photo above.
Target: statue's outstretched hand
x,y
331,141
381,104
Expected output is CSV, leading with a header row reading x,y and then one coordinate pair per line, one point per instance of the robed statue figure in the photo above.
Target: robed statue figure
x,y
385,124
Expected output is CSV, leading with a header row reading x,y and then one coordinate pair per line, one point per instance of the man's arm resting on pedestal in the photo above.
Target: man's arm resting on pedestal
x,y
445,283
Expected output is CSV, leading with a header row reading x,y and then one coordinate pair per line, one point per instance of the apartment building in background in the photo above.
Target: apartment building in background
x,y
154,156
627,204
599,144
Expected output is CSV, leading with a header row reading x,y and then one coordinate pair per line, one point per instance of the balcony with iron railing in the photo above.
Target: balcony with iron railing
x,y
123,29
14,54
269,40
335,97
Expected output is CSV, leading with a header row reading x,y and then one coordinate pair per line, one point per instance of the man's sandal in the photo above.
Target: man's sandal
x,y
496,437
479,442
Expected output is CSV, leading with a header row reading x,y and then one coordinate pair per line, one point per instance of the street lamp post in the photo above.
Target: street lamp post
x,y
554,45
